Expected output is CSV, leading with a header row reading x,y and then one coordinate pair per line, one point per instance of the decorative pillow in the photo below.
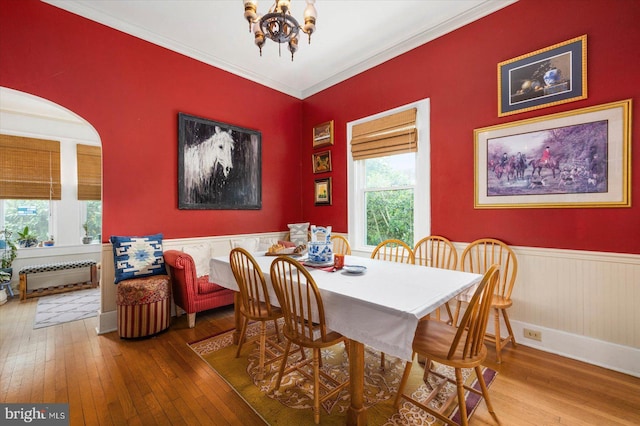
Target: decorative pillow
x,y
201,255
136,257
249,244
298,233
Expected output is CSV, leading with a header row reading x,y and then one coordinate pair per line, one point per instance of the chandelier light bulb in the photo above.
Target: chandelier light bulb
x,y
250,9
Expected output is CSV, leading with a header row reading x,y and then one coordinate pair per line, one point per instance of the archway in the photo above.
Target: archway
x,y
26,115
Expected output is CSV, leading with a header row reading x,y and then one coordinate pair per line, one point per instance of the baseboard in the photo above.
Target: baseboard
x,y
623,359
107,322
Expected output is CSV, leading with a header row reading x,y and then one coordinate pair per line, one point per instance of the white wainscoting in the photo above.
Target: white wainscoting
x,y
585,304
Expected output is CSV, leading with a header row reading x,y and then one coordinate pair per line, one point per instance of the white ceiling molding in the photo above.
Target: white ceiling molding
x,y
351,36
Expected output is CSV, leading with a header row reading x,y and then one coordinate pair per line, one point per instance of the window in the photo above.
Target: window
x,y
93,218
389,185
16,214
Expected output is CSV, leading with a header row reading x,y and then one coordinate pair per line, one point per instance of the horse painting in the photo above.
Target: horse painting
x,y
208,162
539,164
219,165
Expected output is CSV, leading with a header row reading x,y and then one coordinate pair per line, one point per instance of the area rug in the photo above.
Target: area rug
x,y
66,307
293,402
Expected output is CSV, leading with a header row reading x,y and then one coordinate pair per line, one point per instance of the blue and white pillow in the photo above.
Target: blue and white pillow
x,y
137,257
298,233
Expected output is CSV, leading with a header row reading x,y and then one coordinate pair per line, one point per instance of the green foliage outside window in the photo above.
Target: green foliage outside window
x,y
389,198
38,222
389,215
94,218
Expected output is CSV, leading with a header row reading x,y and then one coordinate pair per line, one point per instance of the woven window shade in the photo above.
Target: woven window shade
x,y
392,134
89,172
29,168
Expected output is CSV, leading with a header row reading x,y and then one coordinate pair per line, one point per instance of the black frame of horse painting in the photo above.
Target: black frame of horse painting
x,y
219,165
576,158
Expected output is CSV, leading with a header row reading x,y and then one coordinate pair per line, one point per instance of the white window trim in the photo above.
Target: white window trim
x,y
422,202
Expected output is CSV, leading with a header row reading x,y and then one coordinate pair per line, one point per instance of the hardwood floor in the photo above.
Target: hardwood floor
x,y
106,380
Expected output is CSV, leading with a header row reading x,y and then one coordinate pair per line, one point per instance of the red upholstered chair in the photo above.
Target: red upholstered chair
x,y
192,293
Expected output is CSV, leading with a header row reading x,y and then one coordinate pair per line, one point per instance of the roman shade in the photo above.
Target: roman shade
x,y
29,168
388,135
89,160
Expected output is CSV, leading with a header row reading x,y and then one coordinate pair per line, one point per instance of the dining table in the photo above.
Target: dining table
x,y
378,305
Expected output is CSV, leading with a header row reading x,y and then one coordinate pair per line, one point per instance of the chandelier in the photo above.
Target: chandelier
x,y
279,25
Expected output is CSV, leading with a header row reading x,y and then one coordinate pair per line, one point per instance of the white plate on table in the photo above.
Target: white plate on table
x,y
354,269
317,264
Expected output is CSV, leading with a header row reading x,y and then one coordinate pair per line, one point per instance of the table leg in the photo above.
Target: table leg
x,y
237,317
357,414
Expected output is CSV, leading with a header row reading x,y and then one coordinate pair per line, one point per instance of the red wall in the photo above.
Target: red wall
x,y
132,91
458,72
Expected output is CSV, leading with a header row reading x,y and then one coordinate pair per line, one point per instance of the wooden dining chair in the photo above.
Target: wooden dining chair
x,y
478,257
305,326
340,245
437,252
393,250
255,305
461,347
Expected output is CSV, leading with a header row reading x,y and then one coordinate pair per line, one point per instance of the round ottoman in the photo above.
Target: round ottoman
x,y
143,306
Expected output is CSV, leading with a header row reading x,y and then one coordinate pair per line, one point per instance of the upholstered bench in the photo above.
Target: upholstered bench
x,y
143,306
24,272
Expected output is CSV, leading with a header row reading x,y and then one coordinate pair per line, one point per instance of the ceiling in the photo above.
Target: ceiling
x,y
351,36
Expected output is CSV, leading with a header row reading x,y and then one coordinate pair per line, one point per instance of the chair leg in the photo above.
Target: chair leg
x,y
455,316
382,361
461,401
403,382
263,344
316,385
191,319
446,305
496,333
508,324
243,332
275,323
485,391
283,364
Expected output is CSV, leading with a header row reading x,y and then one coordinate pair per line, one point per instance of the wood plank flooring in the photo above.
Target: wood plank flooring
x,y
160,381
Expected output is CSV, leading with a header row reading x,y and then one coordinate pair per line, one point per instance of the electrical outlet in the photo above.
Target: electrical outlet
x,y
533,334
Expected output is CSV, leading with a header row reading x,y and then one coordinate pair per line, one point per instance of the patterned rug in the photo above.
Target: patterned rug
x,y
293,403
66,307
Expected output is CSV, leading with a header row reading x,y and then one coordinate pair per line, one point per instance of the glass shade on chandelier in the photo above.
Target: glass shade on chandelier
x,y
279,25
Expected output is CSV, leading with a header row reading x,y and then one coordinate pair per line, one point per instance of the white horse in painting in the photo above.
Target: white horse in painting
x,y
202,160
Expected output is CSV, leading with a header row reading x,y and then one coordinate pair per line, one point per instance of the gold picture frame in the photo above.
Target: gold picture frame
x,y
323,134
578,158
321,161
322,192
551,76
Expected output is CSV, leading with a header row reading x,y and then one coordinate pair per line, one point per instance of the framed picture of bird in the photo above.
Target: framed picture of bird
x,y
546,77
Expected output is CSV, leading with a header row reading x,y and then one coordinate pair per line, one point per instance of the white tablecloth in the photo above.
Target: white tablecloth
x,y
379,308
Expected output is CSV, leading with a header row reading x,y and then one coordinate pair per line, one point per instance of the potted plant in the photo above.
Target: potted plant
x,y
26,238
9,251
87,238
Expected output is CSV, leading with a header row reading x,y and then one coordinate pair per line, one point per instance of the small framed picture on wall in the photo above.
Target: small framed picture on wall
x,y
321,162
323,134
322,192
